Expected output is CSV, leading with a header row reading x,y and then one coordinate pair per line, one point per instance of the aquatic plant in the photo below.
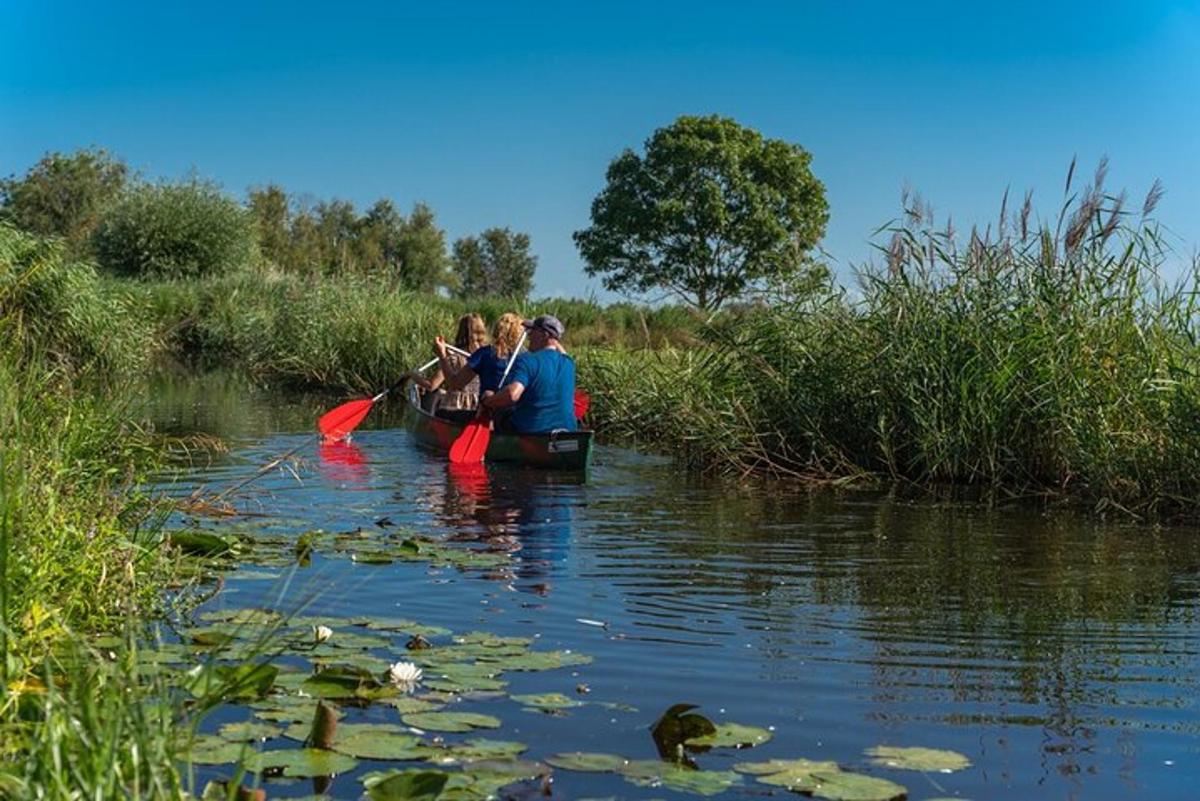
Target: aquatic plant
x,y
1052,360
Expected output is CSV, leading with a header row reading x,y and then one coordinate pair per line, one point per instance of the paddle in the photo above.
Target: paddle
x,y
473,442
338,423
583,402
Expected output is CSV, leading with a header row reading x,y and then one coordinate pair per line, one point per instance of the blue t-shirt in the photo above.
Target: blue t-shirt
x,y
548,402
490,368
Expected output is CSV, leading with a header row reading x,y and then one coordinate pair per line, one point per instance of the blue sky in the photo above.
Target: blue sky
x,y
507,113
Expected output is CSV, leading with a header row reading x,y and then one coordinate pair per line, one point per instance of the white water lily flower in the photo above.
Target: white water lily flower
x,y
404,674
321,634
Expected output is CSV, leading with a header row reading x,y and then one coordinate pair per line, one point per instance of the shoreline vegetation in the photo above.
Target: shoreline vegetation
x,y
1039,359
1048,360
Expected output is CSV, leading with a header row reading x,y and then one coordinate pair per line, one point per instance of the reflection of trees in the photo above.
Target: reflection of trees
x,y
985,617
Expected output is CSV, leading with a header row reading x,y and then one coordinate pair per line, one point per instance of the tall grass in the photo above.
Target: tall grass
x,y
1051,359
78,546
353,333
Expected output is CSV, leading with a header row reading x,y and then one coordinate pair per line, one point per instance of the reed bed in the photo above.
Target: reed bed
x,y
352,333
1050,360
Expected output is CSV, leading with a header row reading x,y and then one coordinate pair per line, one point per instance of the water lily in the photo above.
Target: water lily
x,y
404,674
321,634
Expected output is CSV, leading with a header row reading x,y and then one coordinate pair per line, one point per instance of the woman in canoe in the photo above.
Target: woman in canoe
x,y
487,363
456,403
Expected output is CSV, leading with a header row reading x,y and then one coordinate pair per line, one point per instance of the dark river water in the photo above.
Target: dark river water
x,y
1057,653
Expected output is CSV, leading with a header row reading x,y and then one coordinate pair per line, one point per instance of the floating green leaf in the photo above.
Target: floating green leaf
x,y
587,761
731,735
450,721
927,759
202,543
407,785
248,731
404,705
784,766
547,701
302,763
481,748
205,749
842,786
821,779
382,745
233,683
651,773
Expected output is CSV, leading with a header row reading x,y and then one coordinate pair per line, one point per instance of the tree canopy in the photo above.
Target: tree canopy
x,y
64,195
495,263
710,211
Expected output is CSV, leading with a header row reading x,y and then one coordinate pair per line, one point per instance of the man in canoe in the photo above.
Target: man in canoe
x,y
541,385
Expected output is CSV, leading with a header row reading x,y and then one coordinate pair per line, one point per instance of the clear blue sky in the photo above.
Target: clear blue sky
x,y
507,113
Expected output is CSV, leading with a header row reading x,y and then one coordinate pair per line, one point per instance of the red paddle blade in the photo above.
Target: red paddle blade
x,y
583,402
339,422
472,443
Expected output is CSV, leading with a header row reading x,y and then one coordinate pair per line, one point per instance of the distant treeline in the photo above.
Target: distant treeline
x,y
191,228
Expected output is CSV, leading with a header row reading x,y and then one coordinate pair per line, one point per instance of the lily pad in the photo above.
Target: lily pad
x,y
248,731
243,617
547,701
301,763
401,625
652,773
207,749
842,786
404,705
481,748
539,660
202,543
587,761
774,766
382,746
451,721
233,683
731,735
406,785
926,759
822,779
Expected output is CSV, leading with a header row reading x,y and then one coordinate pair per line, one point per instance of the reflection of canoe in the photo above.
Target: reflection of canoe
x,y
565,450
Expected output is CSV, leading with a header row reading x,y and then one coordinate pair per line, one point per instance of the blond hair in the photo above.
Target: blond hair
x,y
472,333
506,333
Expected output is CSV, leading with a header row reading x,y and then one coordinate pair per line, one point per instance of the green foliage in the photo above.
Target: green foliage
x,y
58,308
176,230
354,333
1029,363
710,211
269,210
496,263
331,238
64,196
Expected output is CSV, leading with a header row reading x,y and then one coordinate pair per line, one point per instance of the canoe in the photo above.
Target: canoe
x,y
563,450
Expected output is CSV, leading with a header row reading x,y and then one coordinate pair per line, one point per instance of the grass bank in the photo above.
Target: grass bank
x,y
79,552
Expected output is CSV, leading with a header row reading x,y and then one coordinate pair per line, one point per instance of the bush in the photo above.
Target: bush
x,y
56,307
183,230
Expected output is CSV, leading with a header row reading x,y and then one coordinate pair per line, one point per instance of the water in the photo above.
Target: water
x,y
1060,655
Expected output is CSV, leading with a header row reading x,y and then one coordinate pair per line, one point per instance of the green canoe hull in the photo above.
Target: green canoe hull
x,y
566,450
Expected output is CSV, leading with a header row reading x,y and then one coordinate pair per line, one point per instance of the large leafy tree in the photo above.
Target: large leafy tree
x,y
64,195
495,263
710,211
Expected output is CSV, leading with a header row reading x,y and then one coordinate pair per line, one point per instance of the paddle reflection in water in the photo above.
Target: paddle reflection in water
x,y
516,509
343,462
